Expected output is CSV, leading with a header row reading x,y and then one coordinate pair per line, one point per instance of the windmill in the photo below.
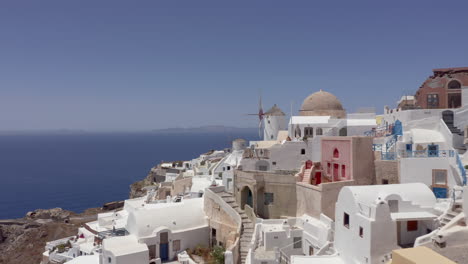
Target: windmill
x,y
260,115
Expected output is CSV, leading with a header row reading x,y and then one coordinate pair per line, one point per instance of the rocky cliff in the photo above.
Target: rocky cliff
x,y
137,188
22,240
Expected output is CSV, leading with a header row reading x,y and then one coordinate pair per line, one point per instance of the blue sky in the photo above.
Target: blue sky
x,y
139,65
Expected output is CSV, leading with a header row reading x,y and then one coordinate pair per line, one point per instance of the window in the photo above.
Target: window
x,y
412,226
346,220
271,137
297,242
328,167
224,168
269,198
454,100
318,131
384,181
176,245
109,260
361,231
454,85
343,171
336,153
432,101
228,167
440,177
308,132
302,151
262,168
274,163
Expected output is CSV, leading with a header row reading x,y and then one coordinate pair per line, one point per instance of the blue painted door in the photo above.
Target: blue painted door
x,y
440,192
164,252
397,128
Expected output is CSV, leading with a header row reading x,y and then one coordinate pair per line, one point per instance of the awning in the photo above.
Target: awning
x,y
408,216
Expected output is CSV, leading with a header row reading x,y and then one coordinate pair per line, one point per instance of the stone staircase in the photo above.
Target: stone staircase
x,y
454,129
307,175
247,228
456,209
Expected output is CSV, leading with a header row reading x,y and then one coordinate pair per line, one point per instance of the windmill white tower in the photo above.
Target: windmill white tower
x,y
274,120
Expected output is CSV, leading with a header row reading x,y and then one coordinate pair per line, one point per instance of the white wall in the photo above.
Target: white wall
x,y
420,170
272,125
379,231
287,156
411,115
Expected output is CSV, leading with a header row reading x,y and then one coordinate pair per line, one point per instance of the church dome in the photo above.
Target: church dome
x,y
322,103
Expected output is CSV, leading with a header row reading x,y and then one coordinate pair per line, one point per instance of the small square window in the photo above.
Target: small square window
x,y
176,245
274,163
412,226
346,220
302,151
384,181
361,231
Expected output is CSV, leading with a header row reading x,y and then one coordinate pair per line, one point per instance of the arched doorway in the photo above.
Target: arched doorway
x,y
447,116
246,197
343,132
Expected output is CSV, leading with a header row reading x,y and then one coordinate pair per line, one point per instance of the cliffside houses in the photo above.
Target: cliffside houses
x,y
324,187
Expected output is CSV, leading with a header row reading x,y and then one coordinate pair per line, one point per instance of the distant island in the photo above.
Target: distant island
x,y
173,130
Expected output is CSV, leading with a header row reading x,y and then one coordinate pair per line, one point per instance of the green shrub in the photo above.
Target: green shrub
x,y
218,254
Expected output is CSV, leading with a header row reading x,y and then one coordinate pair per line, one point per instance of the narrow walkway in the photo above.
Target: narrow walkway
x,y
247,225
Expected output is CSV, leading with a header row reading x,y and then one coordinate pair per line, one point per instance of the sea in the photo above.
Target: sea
x,y
85,170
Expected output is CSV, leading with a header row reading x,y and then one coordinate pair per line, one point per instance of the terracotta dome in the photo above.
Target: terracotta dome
x,y
322,103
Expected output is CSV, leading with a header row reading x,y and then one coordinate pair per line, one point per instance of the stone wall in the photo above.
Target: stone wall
x,y
363,160
226,224
319,199
308,199
387,170
278,186
179,186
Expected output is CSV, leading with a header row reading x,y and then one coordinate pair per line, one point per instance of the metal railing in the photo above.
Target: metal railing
x,y
462,169
388,155
391,142
113,233
426,153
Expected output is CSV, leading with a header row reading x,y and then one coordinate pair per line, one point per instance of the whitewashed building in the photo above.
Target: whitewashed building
x,y
371,221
